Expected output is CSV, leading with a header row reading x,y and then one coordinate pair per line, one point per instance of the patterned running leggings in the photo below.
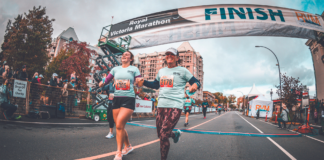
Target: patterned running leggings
x,y
166,120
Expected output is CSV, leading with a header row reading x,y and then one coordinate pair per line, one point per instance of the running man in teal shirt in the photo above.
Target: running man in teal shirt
x,y
187,108
205,105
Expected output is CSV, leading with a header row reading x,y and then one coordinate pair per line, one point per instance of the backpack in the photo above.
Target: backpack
x,y
287,115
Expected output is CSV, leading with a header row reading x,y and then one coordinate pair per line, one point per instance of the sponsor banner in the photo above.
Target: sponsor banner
x,y
19,89
203,22
142,106
151,21
264,107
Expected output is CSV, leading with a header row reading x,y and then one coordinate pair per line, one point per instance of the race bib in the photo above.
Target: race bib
x,y
166,81
188,100
122,84
111,96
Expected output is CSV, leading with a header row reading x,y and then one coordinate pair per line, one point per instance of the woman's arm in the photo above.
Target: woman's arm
x,y
108,78
155,84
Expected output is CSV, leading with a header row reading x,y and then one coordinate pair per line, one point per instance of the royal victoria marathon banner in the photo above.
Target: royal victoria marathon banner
x,y
214,21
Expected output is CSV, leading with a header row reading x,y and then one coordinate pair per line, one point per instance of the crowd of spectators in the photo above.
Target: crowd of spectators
x,y
56,90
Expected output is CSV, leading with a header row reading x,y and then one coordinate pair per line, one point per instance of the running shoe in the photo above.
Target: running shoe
x,y
127,150
279,128
110,135
119,155
177,135
5,115
185,124
204,117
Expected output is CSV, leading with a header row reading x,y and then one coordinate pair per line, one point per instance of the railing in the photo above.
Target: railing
x,y
38,95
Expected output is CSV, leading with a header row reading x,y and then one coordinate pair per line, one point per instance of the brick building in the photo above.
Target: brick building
x,y
150,64
209,96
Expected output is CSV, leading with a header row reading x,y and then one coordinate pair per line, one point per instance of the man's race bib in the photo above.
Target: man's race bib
x,y
111,96
188,100
122,84
166,81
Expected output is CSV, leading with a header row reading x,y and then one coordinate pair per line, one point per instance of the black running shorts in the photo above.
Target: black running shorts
x,y
126,102
187,111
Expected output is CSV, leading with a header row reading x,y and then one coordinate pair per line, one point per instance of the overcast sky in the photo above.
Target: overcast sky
x,y
230,64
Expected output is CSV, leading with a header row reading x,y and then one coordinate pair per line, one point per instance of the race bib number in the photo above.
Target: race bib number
x,y
122,84
188,100
111,96
166,81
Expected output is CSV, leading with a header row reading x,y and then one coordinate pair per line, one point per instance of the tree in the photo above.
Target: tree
x,y
27,40
218,97
231,98
289,86
78,61
54,66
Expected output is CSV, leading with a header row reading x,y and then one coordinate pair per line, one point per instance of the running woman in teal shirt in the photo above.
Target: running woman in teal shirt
x,y
124,100
171,81
187,108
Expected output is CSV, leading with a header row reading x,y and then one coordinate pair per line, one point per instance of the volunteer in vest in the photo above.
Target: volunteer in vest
x,y
124,100
187,108
205,105
171,81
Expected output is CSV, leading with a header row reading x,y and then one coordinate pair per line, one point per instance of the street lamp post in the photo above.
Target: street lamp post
x,y
271,94
279,72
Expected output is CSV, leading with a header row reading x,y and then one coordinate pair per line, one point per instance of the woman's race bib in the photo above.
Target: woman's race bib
x,y
111,96
122,84
166,81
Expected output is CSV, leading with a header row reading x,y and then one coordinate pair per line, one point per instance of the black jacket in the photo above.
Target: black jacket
x,y
23,76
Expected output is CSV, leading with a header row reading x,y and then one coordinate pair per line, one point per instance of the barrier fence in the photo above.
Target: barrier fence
x,y
29,96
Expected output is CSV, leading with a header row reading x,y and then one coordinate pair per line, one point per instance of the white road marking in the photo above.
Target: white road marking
x,y
295,132
276,144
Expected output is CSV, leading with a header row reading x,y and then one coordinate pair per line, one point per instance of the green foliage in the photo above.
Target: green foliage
x,y
54,66
231,98
27,39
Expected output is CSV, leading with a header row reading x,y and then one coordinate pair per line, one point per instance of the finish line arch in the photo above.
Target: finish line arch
x,y
226,20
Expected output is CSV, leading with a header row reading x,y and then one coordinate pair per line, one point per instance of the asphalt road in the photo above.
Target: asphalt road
x,y
68,142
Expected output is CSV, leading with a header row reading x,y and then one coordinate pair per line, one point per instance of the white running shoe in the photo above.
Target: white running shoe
x,y
127,150
110,135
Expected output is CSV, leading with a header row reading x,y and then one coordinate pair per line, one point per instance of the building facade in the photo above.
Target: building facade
x,y
64,38
317,51
150,64
209,96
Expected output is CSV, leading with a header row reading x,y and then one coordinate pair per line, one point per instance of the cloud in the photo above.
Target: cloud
x,y
230,64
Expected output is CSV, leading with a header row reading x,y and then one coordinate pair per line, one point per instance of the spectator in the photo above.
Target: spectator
x,y
9,109
73,75
284,117
34,90
60,82
5,74
65,92
146,97
39,79
16,74
2,69
52,89
71,95
23,75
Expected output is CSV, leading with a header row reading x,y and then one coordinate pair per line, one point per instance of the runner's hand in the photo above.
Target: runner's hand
x,y
101,84
193,88
139,81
